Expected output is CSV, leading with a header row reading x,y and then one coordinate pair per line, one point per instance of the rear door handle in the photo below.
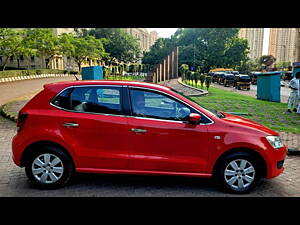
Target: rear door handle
x,y
138,130
71,124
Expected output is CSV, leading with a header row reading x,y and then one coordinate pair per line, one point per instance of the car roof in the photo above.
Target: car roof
x,y
64,84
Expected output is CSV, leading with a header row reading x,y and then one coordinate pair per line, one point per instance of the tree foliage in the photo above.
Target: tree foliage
x,y
14,43
120,45
82,49
45,42
202,47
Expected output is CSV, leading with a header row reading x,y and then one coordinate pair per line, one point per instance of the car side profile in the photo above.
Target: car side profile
x,y
128,127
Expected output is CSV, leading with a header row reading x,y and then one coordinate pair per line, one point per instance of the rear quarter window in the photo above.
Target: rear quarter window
x,y
63,99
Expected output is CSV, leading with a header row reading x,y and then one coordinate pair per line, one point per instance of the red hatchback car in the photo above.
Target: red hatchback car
x,y
139,128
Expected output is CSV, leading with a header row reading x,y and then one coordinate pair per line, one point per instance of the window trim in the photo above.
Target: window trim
x,y
123,111
126,102
164,93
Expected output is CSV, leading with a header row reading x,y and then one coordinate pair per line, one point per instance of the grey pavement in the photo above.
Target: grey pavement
x,y
13,181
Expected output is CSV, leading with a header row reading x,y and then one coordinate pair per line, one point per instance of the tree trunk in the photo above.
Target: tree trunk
x,y
5,62
79,66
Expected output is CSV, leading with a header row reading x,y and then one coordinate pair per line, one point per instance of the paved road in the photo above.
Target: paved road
x,y
284,91
12,90
13,181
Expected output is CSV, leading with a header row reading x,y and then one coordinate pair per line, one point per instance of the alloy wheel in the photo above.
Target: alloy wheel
x,y
47,168
239,174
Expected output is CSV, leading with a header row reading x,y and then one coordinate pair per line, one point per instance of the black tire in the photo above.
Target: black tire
x,y
65,165
220,178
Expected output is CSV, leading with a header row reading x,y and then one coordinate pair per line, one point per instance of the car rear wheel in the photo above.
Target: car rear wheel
x,y
49,168
238,173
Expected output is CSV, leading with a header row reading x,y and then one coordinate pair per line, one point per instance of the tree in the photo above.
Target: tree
x,y
119,44
14,43
196,77
45,42
207,82
159,50
202,80
82,48
183,69
202,47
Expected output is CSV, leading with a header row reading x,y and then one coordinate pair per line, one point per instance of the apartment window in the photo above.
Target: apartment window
x,y
21,57
11,58
32,58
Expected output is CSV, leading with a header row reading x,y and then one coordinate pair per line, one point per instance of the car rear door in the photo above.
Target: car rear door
x,y
94,123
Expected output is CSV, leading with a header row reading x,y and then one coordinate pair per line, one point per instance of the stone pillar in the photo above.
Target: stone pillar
x,y
160,72
170,66
165,69
176,63
154,77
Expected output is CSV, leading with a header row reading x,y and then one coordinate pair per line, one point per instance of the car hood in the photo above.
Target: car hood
x,y
246,123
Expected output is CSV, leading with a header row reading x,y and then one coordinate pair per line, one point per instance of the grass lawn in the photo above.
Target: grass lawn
x,y
270,114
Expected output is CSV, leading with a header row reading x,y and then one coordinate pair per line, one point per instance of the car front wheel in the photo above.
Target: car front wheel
x,y
238,173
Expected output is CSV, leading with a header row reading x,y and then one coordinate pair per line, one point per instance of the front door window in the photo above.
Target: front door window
x,y
159,106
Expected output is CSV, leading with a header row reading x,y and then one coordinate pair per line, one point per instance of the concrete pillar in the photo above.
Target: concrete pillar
x,y
157,74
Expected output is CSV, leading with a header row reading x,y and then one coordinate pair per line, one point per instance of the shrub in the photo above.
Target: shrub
x,y
38,72
25,73
207,81
202,80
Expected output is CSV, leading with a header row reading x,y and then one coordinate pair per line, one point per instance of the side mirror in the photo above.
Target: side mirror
x,y
194,118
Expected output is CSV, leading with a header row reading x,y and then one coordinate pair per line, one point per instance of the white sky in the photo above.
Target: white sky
x,y
167,32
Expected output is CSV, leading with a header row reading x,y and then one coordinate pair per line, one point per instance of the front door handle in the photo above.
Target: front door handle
x,y
71,124
138,130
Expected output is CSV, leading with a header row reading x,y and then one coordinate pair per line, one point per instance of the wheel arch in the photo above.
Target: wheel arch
x,y
35,146
255,154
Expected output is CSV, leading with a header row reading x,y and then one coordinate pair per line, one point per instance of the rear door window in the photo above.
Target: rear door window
x,y
93,99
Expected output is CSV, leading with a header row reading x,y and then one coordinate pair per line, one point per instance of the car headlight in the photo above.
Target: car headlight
x,y
275,141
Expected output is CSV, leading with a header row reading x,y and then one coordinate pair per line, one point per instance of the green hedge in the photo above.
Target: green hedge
x,y
16,73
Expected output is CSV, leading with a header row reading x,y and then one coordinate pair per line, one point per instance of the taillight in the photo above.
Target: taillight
x,y
21,120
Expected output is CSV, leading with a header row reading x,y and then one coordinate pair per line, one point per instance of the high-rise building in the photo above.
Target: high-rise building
x,y
284,44
146,39
255,37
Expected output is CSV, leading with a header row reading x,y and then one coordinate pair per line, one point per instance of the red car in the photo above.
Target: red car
x,y
139,128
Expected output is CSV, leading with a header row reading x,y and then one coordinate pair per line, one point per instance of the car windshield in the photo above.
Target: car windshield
x,y
213,111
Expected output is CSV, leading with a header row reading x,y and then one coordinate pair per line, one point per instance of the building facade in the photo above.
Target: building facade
x,y
35,62
255,37
59,62
284,44
146,39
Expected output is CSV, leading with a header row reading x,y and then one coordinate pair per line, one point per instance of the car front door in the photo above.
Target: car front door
x,y
160,137
92,121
